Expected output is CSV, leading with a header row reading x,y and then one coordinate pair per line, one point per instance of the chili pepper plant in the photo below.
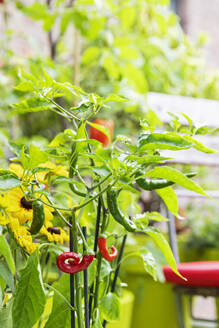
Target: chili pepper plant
x,y
66,208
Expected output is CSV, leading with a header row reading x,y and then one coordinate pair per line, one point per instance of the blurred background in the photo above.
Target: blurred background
x,y
141,49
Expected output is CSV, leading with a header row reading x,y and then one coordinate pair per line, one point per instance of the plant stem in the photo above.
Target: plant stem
x,y
118,263
78,293
62,109
86,311
56,208
58,212
76,57
99,259
85,245
117,270
97,225
72,288
52,43
95,249
48,267
97,284
95,196
58,293
102,181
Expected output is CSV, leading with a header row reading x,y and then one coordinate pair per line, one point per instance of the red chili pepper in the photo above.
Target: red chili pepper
x,y
100,136
104,251
64,264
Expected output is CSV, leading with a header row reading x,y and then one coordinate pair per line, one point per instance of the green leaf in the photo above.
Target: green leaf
x,y
190,122
149,263
111,66
49,21
136,78
162,243
36,11
8,180
170,199
105,269
176,176
102,171
97,322
205,130
6,252
128,16
153,216
24,158
29,300
90,54
115,98
37,156
33,104
148,159
153,119
6,275
25,86
6,316
92,269
168,140
60,311
110,307
199,146
78,184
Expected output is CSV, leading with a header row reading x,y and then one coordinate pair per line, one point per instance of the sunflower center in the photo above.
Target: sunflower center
x,y
28,204
54,230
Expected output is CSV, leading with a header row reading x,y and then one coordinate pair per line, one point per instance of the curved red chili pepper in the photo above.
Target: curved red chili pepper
x,y
104,251
73,266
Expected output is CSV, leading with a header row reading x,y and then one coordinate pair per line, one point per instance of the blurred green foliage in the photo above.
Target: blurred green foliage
x,y
203,226
128,47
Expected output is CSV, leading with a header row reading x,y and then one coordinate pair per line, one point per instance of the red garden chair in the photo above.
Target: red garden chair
x,y
202,277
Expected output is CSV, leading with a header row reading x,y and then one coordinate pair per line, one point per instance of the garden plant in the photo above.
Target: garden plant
x,y
105,47
67,206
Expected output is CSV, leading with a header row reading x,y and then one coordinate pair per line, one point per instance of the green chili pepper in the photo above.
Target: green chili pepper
x,y
38,217
116,212
73,162
153,184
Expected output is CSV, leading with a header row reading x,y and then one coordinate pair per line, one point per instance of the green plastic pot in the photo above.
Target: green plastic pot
x,y
127,304
154,304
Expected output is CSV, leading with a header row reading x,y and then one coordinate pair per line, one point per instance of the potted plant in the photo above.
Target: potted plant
x,y
67,207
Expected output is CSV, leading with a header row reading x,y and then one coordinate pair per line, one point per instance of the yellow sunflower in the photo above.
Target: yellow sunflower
x,y
20,208
22,235
17,169
59,170
54,234
4,218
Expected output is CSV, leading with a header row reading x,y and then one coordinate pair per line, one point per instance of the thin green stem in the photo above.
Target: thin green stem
x,y
63,110
99,262
102,181
82,237
58,212
95,196
48,267
54,206
80,178
97,284
43,264
58,293
78,293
